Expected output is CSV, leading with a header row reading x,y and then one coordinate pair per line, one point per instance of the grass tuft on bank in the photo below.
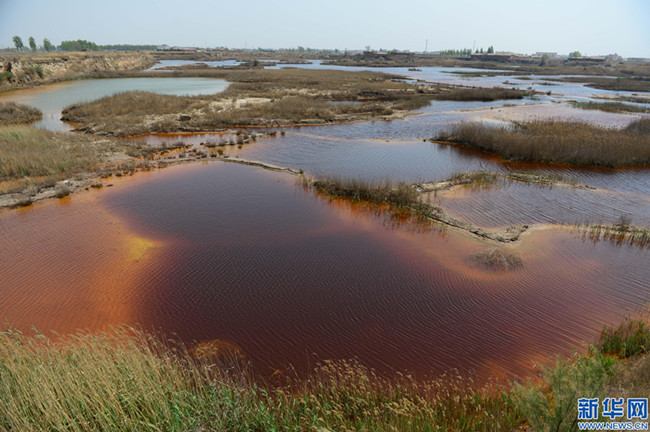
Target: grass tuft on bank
x,y
400,194
12,113
31,157
483,94
611,107
558,141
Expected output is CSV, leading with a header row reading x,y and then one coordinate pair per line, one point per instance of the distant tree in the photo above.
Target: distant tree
x,y
47,45
490,50
19,43
78,45
481,50
127,47
544,60
32,43
575,54
452,52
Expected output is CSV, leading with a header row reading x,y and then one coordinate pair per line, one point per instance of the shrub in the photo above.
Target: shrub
x,y
553,407
629,339
62,191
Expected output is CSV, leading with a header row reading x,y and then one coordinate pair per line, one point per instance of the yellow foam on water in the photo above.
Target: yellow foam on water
x,y
137,248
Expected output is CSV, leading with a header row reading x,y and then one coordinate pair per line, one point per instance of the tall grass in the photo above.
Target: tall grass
x,y
632,84
484,94
558,141
610,107
629,339
400,194
126,380
256,97
12,113
36,157
26,151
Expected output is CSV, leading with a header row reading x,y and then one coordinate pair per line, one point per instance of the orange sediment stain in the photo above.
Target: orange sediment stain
x,y
68,266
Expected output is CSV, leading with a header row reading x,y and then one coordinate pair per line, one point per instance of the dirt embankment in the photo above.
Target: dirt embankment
x,y
27,69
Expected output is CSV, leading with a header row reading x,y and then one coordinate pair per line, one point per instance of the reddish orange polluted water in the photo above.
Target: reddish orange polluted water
x,y
247,261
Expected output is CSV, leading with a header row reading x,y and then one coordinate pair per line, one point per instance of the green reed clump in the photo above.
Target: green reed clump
x,y
557,141
127,380
629,339
553,405
618,233
12,113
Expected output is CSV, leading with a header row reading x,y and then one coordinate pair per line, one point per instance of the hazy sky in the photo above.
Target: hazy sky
x,y
590,26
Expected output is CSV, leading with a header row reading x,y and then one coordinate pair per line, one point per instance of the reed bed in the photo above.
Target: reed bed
x,y
126,379
619,233
31,157
400,194
611,107
632,84
257,97
558,141
484,94
31,152
12,113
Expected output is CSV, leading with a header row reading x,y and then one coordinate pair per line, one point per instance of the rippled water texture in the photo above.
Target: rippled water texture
x,y
230,252
514,202
284,276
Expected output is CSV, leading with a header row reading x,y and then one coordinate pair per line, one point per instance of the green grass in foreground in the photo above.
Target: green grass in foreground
x,y
127,380
568,142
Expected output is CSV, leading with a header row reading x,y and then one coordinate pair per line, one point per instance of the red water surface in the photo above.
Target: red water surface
x,y
249,257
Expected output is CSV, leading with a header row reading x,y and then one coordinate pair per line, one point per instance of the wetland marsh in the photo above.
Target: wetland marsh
x,y
217,251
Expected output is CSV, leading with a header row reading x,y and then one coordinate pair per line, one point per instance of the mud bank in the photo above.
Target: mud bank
x,y
23,70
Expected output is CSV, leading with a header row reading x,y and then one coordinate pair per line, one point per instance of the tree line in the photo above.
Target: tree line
x,y
77,45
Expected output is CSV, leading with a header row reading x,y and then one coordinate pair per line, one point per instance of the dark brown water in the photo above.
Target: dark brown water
x,y
230,252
